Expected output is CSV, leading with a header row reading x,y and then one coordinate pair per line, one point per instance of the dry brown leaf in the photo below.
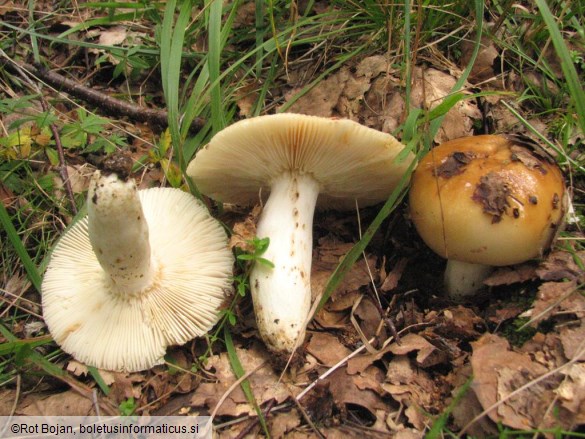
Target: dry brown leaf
x,y
498,371
322,99
113,36
369,319
370,379
342,94
525,410
571,391
245,231
345,391
77,368
246,97
326,348
460,323
469,408
561,265
126,386
428,355
391,281
551,293
326,257
361,362
281,424
511,275
458,122
331,320
483,66
343,302
68,403
318,403
79,176
264,383
572,341
412,387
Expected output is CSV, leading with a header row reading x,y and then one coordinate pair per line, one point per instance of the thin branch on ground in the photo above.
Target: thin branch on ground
x,y
107,104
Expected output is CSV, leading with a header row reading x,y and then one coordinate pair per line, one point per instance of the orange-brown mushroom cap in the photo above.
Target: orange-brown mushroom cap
x,y
488,199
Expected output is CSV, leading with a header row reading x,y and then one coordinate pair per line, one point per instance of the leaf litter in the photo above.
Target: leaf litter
x,y
389,388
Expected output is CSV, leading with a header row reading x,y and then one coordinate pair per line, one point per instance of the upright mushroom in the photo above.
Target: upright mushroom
x,y
144,270
486,201
301,161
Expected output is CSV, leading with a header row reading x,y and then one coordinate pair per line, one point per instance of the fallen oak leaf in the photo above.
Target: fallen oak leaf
x,y
414,342
511,275
326,348
265,384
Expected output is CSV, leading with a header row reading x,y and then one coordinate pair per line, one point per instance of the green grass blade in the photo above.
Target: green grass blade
x,y
479,6
438,428
240,372
95,373
33,40
260,31
214,61
407,70
24,352
11,347
576,90
171,54
29,266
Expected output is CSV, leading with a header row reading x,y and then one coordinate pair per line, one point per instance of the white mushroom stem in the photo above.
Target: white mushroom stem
x,y
463,279
119,233
282,295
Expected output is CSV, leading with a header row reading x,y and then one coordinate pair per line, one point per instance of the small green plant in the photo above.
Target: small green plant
x,y
517,333
76,134
159,155
128,407
246,258
259,247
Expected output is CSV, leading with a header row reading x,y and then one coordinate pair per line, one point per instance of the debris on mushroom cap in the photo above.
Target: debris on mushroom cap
x,y
97,323
348,160
487,200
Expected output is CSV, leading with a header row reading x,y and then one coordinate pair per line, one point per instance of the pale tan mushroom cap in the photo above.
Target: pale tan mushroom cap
x,y
120,332
487,200
348,160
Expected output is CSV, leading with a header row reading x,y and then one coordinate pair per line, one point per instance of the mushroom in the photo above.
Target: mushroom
x,y
142,271
486,201
301,161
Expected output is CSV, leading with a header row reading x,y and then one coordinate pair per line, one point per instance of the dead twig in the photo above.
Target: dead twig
x,y
227,393
308,419
107,104
251,424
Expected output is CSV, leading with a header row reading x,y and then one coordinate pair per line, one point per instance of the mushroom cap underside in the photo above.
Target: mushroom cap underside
x,y
131,332
487,200
348,160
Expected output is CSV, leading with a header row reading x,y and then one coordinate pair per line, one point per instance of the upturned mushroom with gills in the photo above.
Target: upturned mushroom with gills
x,y
485,201
301,162
142,271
